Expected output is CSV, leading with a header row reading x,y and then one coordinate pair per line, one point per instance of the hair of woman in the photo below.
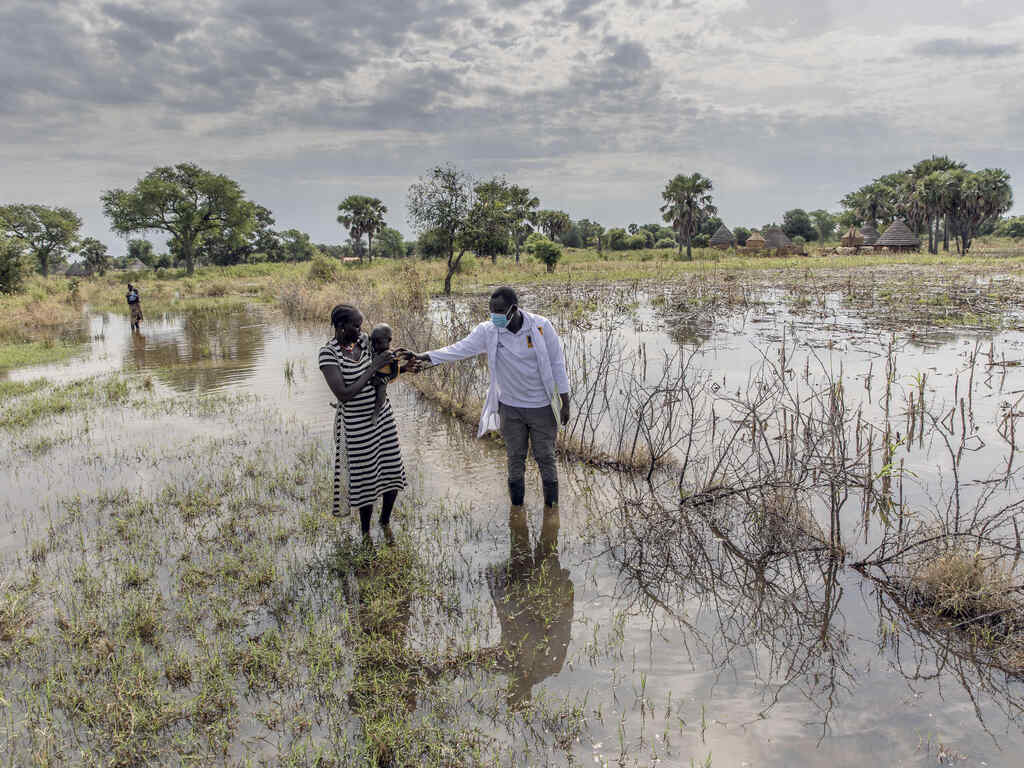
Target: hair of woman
x,y
342,313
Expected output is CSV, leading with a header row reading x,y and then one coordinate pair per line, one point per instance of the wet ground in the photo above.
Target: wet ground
x,y
663,663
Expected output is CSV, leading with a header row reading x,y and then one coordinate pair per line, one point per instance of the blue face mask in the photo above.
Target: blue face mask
x,y
501,319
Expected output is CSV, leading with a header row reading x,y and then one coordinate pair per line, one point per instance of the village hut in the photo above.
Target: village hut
x,y
756,241
135,266
852,238
898,237
870,234
776,238
78,269
722,238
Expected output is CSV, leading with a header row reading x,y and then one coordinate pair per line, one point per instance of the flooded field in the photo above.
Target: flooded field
x,y
747,594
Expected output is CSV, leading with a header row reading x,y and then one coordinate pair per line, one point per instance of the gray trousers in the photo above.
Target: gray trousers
x,y
520,428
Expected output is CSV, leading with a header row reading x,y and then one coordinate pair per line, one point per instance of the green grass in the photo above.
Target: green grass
x,y
11,389
36,403
19,355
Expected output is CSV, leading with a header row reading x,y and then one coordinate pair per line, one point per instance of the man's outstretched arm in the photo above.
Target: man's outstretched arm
x,y
472,345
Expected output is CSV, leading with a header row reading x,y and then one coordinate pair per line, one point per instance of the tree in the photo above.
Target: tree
x,y
184,200
553,223
441,201
824,224
590,233
869,204
617,239
687,202
141,250
974,198
390,243
522,215
709,225
741,234
546,252
1011,227
296,246
240,245
797,223
97,260
571,238
12,264
49,233
432,244
490,219
362,215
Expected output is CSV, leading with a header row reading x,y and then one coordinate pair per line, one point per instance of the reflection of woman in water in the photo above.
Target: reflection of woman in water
x,y
367,449
534,598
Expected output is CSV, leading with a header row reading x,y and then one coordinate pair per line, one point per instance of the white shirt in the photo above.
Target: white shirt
x,y
517,372
484,340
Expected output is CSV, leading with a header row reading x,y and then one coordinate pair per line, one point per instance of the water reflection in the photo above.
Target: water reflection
x,y
203,350
534,598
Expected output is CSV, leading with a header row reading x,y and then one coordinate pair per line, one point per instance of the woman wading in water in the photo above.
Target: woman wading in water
x,y
367,447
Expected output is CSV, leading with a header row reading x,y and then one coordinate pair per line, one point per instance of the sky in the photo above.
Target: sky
x,y
592,104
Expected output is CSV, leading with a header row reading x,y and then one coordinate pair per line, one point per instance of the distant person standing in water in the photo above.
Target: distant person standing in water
x,y
367,448
134,306
527,370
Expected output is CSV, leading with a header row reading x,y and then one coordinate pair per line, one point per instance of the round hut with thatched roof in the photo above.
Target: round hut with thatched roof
x,y
756,241
776,238
870,234
722,238
898,237
852,238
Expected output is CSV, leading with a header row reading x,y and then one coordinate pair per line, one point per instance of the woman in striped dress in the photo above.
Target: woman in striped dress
x,y
367,450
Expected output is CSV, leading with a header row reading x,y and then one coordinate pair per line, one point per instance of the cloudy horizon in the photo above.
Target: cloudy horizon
x,y
593,104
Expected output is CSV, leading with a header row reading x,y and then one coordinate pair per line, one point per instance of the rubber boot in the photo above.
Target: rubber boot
x,y
517,492
551,494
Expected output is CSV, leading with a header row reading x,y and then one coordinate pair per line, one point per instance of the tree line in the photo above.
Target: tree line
x,y
207,219
939,197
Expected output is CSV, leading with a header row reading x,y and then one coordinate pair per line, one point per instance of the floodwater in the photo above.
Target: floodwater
x,y
809,664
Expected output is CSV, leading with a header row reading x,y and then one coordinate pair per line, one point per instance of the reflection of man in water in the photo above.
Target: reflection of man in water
x,y
534,597
134,306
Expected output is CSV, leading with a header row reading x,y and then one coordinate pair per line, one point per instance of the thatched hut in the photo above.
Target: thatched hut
x,y
852,238
136,266
723,238
78,269
756,241
870,234
898,237
776,238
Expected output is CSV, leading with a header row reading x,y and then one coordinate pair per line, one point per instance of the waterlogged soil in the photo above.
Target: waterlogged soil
x,y
638,654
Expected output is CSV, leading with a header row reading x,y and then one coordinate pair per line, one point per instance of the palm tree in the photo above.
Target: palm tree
x,y
522,208
687,202
362,215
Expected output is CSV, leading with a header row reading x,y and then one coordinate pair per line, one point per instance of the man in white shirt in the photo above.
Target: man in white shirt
x,y
527,369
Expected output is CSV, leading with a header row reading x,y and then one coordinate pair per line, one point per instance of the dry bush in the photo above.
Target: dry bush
x,y
960,584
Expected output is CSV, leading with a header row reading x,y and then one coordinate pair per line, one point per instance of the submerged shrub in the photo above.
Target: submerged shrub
x,y
962,584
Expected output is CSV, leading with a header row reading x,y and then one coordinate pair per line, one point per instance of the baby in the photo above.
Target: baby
x,y
380,341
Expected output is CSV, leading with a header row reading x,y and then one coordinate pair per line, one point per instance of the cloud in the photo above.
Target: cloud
x,y
593,103
963,48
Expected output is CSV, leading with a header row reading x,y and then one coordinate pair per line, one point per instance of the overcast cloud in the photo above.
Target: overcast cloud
x,y
593,104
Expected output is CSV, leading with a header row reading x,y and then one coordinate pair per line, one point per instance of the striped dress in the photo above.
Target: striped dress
x,y
367,453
